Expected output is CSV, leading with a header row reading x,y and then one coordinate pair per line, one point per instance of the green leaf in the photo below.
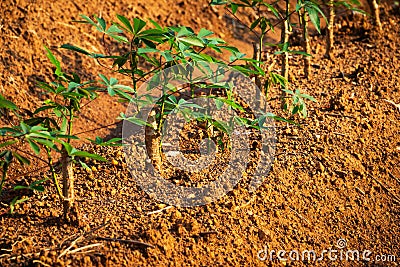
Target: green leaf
x,y
68,148
39,188
138,25
7,104
277,78
272,9
299,53
183,31
104,78
222,125
85,166
20,187
34,146
155,24
234,7
147,50
295,110
22,160
167,55
8,143
126,23
85,154
113,81
313,14
45,142
25,128
218,103
101,22
203,33
218,2
119,38
255,23
138,121
191,40
8,156
89,20
124,87
277,118
75,48
113,29
54,61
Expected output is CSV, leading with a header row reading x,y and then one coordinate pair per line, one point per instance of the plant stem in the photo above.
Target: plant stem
x,y
256,56
285,56
306,42
134,66
68,175
374,6
330,36
68,184
53,173
3,176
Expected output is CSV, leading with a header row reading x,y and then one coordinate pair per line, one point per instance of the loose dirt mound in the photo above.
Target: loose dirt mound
x,y
334,178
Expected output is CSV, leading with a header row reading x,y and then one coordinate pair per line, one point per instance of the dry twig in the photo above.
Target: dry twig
x,y
160,210
300,216
126,241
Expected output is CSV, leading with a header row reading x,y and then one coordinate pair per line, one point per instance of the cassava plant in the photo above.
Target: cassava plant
x,y
330,37
308,10
48,132
151,48
269,15
285,33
